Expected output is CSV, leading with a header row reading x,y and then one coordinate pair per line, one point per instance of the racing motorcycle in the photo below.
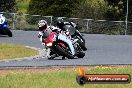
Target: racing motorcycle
x,y
75,34
4,30
61,45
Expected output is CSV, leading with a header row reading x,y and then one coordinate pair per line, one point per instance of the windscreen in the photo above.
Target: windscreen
x,y
70,29
47,33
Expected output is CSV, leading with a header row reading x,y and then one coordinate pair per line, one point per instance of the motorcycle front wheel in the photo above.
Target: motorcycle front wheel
x,y
62,52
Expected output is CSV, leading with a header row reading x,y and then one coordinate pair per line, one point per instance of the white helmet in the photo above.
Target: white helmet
x,y
42,24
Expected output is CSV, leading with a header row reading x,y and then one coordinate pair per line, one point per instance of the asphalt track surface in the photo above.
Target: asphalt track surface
x,y
102,50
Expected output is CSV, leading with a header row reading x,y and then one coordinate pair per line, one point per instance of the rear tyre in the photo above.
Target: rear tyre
x,y
62,52
80,54
8,32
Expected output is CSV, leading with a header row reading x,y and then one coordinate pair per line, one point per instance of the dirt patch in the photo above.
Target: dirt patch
x,y
35,70
41,70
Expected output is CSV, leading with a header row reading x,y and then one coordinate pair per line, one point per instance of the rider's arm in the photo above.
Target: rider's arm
x,y
55,29
75,25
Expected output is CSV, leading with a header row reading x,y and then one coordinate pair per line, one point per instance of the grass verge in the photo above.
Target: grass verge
x,y
58,77
11,51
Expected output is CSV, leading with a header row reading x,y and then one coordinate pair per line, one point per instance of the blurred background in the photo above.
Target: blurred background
x,y
92,16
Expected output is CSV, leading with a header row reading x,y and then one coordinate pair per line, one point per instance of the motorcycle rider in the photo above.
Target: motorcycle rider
x,y
2,19
61,23
44,30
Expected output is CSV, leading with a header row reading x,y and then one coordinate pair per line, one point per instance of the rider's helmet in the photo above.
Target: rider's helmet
x,y
42,24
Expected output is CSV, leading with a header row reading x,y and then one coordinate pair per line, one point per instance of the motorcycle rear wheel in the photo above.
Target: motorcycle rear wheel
x,y
8,32
80,54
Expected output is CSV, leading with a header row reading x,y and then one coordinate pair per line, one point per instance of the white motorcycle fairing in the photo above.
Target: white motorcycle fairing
x,y
2,19
65,39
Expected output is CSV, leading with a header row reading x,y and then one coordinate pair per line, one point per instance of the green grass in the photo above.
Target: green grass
x,y
11,51
57,78
22,5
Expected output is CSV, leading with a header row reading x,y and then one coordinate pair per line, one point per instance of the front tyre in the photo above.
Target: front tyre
x,y
62,52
